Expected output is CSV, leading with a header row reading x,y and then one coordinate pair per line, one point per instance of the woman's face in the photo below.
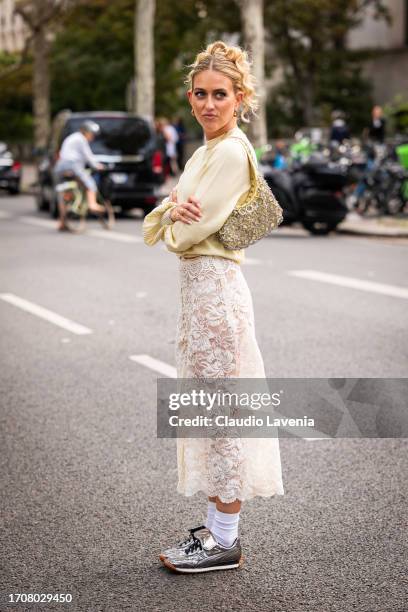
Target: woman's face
x,y
214,101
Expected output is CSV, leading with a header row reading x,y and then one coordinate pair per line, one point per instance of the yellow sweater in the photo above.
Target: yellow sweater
x,y
218,174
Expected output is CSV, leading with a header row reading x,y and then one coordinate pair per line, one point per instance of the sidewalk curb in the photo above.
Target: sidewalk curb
x,y
373,227
390,232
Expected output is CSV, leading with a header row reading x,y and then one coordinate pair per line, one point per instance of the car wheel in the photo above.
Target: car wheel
x,y
319,228
54,207
13,190
41,202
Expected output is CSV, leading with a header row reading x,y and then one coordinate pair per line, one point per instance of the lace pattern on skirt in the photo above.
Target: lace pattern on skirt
x,y
216,339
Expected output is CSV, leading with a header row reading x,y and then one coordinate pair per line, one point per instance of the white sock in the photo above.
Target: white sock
x,y
210,514
225,528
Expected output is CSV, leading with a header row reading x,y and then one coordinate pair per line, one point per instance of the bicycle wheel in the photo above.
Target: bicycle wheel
x,y
75,210
368,204
395,199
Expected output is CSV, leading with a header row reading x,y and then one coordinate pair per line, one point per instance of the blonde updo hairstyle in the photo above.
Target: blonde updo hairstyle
x,y
232,62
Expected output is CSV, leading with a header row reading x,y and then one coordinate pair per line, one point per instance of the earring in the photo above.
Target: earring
x,y
192,112
235,113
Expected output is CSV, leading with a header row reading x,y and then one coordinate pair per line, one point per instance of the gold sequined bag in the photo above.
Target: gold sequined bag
x,y
253,218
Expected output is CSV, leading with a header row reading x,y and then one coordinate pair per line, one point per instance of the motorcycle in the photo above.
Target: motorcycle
x,y
310,192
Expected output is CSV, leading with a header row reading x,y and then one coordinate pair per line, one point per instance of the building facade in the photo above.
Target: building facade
x,y
388,68
12,28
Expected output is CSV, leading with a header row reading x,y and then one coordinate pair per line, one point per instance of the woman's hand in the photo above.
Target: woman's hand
x,y
173,195
187,212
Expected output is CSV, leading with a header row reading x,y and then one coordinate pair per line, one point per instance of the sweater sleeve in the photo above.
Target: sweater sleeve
x,y
153,229
224,178
157,220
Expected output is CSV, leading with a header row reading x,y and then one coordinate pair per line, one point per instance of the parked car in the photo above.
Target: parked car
x,y
10,170
128,148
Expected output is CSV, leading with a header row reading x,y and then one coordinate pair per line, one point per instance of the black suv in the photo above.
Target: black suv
x,y
128,148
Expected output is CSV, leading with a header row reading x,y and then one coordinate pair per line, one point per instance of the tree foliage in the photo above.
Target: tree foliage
x,y
92,58
15,101
182,31
320,73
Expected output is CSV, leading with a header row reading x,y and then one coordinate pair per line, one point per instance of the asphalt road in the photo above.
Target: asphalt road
x,y
88,492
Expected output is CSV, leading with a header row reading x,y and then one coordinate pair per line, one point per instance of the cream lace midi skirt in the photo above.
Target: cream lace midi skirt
x,y
216,339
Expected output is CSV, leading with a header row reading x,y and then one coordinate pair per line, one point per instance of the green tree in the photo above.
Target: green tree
x,y
41,21
182,31
16,122
92,57
320,73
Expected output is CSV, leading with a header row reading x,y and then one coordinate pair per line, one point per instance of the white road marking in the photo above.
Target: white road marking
x,y
5,215
353,283
164,368
44,313
109,235
141,294
40,222
155,364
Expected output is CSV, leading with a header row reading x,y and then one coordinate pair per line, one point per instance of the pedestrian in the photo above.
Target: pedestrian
x,y
160,139
180,145
339,128
215,327
171,137
279,160
376,130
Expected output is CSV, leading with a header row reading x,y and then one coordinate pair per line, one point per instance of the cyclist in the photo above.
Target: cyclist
x,y
74,155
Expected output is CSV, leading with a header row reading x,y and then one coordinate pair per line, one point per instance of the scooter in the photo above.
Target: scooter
x,y
310,193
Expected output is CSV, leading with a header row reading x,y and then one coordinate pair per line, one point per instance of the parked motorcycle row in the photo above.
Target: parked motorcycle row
x,y
318,185
379,180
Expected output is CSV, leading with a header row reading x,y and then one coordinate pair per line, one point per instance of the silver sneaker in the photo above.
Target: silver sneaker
x,y
180,546
204,554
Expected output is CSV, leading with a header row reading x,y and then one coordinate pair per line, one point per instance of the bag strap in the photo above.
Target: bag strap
x,y
253,175
253,163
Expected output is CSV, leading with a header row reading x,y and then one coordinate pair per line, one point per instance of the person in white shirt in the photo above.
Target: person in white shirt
x,y
75,154
171,136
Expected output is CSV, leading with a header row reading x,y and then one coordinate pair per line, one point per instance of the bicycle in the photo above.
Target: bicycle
x,y
71,194
383,191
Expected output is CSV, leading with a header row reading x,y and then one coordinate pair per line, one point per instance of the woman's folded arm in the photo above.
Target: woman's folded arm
x,y
156,221
225,178
153,228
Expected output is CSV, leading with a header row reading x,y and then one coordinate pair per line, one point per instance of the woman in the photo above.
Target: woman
x,y
171,137
215,331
